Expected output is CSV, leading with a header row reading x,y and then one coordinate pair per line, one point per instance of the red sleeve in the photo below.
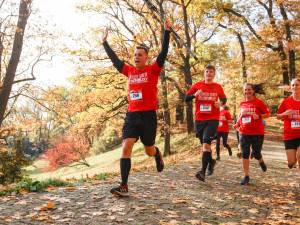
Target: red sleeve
x,y
263,108
221,93
126,70
155,68
192,90
228,116
281,108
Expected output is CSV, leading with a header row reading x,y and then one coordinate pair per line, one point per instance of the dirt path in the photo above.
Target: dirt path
x,y
174,196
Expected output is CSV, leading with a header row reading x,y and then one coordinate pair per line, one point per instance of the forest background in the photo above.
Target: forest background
x,y
248,41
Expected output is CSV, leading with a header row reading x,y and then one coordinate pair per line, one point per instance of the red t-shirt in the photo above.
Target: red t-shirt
x,y
291,122
223,124
248,125
142,87
205,109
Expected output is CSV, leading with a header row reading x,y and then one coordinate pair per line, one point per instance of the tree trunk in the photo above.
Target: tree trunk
x,y
24,13
180,108
187,72
292,58
166,114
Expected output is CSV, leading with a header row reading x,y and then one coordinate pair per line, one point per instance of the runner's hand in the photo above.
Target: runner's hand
x,y
255,116
198,93
167,25
218,104
288,112
105,34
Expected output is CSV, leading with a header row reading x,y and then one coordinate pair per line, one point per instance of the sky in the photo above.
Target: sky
x,y
64,15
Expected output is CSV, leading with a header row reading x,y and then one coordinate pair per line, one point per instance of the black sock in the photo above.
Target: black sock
x,y
206,159
125,166
211,158
218,151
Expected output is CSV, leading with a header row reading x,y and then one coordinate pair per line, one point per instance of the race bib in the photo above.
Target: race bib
x,y
136,95
295,124
246,120
205,108
220,124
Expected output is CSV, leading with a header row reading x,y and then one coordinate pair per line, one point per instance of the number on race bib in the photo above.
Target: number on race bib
x,y
295,124
136,95
246,120
205,108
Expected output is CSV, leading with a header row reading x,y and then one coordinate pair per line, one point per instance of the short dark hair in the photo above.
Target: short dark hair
x,y
143,47
210,67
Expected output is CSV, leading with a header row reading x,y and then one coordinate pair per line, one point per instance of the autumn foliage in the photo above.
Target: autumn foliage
x,y
12,162
67,151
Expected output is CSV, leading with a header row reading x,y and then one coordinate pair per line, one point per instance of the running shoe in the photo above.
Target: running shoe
x,y
245,180
159,161
230,152
263,166
200,175
120,191
211,167
291,167
239,155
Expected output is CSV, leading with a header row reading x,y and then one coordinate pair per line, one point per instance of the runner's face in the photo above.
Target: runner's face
x,y
140,58
248,91
209,74
295,85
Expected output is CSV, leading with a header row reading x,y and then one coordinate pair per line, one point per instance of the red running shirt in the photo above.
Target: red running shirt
x,y
248,125
291,122
142,87
223,124
205,109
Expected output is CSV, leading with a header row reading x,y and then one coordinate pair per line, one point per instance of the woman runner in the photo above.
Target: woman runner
x,y
251,130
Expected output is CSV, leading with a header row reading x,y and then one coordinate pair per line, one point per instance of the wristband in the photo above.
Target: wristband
x,y
259,116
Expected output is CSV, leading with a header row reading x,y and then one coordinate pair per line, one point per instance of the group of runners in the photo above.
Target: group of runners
x,y
211,115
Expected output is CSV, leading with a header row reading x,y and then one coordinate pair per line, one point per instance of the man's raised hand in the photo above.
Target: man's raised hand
x,y
105,33
167,25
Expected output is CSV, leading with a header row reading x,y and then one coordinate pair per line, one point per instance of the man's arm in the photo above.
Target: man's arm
x,y
164,51
118,64
188,98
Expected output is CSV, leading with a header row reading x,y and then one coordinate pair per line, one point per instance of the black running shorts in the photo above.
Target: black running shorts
x,y
256,141
292,144
141,124
206,130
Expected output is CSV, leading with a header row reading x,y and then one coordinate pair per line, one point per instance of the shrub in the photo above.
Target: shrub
x,y
67,151
12,162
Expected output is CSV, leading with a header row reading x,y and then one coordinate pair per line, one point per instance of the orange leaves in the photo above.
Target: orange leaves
x,y
45,207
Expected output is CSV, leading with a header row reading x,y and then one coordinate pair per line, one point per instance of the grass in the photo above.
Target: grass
x,y
184,148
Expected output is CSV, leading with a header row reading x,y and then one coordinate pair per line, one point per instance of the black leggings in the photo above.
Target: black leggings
x,y
224,136
257,143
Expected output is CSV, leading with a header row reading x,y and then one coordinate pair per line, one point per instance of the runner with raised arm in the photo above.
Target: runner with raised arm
x,y
253,111
140,120
207,112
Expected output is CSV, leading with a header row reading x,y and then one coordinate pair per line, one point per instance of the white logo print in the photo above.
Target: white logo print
x,y
139,78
